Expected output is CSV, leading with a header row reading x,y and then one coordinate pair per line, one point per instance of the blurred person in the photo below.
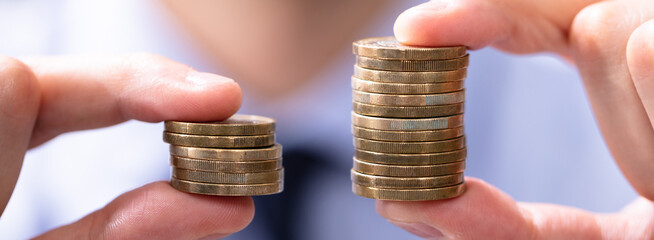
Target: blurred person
x,y
293,59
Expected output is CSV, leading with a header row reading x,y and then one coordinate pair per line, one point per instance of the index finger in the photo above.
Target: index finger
x,y
509,25
83,92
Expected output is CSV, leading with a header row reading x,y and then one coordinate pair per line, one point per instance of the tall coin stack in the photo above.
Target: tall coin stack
x,y
235,157
407,121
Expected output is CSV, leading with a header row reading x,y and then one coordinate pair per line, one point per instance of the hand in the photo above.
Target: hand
x,y
44,97
611,43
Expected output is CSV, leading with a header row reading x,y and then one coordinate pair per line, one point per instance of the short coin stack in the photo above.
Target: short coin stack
x,y
235,157
407,121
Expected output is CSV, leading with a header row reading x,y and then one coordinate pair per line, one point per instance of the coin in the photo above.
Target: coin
x,y
422,194
407,136
227,189
237,125
251,154
226,166
410,159
390,48
408,100
408,171
219,141
404,88
407,112
407,124
409,77
407,120
404,182
413,66
228,178
409,147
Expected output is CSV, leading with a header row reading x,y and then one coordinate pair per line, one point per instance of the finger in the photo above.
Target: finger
x,y
640,58
19,103
514,26
599,37
477,211
484,212
157,211
90,92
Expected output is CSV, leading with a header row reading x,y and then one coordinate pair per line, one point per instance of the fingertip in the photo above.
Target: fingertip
x,y
409,210
200,97
640,51
407,215
19,89
474,214
221,95
222,214
158,89
410,25
475,24
157,209
196,97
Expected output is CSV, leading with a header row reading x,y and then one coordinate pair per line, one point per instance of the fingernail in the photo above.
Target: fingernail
x,y
214,237
202,78
420,229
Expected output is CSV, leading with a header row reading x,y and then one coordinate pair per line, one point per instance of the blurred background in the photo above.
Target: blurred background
x,y
529,126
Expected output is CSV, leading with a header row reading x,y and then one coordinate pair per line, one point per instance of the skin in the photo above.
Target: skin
x,y
610,43
41,98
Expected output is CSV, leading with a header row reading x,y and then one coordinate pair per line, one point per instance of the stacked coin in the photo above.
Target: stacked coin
x,y
235,157
407,121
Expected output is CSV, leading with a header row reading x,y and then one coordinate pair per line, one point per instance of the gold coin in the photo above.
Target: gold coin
x,y
422,194
410,159
219,141
407,124
250,154
410,147
407,112
408,100
228,166
237,125
404,182
409,77
227,189
407,136
404,88
408,171
390,48
413,66
238,155
228,178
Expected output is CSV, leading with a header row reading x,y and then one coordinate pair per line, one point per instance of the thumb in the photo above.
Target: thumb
x,y
511,25
484,212
157,211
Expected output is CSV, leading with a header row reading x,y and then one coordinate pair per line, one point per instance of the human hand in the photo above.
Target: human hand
x,y
44,97
611,44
